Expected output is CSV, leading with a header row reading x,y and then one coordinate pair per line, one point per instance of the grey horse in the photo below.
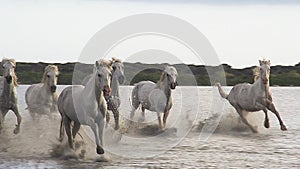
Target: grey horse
x,y
8,97
155,96
253,97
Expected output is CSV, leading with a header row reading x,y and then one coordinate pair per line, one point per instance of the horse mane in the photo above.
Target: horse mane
x,y
256,73
14,76
105,63
113,59
8,60
47,69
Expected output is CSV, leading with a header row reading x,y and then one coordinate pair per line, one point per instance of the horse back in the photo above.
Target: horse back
x,y
65,102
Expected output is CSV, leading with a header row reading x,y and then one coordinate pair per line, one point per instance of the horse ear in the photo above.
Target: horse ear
x,y
269,62
260,62
97,64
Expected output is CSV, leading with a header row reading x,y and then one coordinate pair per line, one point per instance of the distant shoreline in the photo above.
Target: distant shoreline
x,y
189,75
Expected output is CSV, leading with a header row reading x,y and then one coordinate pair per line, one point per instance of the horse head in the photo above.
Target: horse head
x,y
102,77
50,77
264,70
172,74
118,70
8,66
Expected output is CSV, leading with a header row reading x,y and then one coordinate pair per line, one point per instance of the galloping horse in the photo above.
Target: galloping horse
x,y
8,97
253,97
114,101
42,97
86,105
155,97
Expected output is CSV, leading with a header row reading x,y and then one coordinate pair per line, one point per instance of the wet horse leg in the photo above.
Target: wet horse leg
x,y
94,126
142,117
266,122
271,107
166,114
19,119
116,117
159,120
100,124
240,112
61,129
107,118
75,129
67,123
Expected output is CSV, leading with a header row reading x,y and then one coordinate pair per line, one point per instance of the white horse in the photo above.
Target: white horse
x,y
253,97
155,97
8,97
42,97
114,101
85,105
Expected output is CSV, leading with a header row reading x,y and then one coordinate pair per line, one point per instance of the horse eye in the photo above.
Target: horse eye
x,y
114,67
56,75
48,76
99,75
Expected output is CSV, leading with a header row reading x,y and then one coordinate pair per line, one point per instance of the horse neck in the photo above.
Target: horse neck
x,y
258,85
46,87
8,89
91,90
115,86
163,85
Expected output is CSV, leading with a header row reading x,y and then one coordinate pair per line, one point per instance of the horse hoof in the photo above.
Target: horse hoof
x,y
267,124
283,128
16,130
117,127
100,150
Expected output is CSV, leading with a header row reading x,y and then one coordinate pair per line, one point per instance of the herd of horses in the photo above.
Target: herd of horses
x,y
88,104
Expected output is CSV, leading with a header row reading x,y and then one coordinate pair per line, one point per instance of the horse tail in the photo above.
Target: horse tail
x,y
221,91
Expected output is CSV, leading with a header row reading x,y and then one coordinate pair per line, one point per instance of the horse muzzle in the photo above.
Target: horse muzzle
x,y
107,91
8,79
53,88
266,81
173,85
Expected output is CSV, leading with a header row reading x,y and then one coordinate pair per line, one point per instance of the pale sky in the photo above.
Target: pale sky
x,y
240,33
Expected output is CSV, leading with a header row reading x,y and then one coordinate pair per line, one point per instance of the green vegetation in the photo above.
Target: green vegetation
x,y
30,73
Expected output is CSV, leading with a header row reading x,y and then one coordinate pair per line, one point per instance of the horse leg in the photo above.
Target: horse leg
x,y
61,130
67,123
133,111
107,118
266,122
19,119
159,120
271,107
75,129
100,149
142,117
93,126
166,114
240,112
116,117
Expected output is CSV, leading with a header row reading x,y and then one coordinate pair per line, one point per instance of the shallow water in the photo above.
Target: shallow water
x,y
189,142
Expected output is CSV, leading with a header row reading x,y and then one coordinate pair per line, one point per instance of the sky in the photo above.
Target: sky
x,y
240,32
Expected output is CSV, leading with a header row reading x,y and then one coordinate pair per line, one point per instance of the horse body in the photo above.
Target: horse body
x,y
155,96
85,106
114,101
253,97
41,98
8,97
